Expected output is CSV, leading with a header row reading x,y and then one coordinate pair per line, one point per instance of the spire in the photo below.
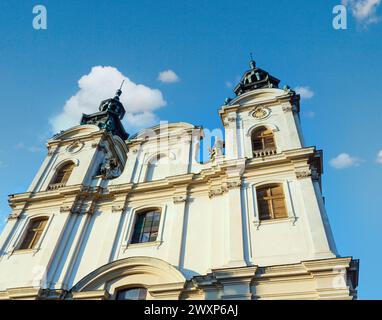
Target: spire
x,y
119,91
255,78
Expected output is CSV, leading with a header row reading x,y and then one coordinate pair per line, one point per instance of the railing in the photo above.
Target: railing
x,y
55,186
264,153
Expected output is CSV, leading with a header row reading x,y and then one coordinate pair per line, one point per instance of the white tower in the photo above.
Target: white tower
x,y
113,217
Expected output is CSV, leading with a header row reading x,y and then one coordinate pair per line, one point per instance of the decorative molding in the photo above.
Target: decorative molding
x,y
16,212
230,118
51,151
64,209
289,108
306,173
14,215
75,147
117,209
216,191
261,113
303,174
179,199
233,184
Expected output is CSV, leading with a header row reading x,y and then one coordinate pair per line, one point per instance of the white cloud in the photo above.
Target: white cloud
x,y
379,157
168,76
364,11
101,83
145,119
304,92
344,161
1,164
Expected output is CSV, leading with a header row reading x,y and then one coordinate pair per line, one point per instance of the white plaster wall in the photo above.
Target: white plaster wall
x,y
29,267
196,236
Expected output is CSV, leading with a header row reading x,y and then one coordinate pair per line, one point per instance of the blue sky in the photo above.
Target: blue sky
x,y
207,46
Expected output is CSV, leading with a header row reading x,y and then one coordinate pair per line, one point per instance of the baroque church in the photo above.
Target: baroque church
x,y
110,216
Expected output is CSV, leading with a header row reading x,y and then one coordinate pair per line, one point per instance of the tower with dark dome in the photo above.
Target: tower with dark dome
x,y
111,112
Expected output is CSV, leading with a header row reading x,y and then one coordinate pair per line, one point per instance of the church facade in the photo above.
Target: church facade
x,y
110,216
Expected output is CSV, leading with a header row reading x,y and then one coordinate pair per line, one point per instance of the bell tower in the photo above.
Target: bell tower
x,y
261,108
282,176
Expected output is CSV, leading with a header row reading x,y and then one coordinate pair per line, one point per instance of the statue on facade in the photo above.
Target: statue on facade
x,y
217,150
110,168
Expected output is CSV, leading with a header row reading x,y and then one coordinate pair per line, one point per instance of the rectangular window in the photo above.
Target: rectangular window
x,y
33,234
271,202
146,227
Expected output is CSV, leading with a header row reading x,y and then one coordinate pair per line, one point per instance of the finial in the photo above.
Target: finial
x,y
252,63
122,84
119,91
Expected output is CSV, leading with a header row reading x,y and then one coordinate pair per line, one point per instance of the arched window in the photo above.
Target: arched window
x,y
62,175
146,227
271,202
132,294
263,142
33,233
158,168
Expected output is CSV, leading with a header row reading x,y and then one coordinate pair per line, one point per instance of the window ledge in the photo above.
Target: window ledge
x,y
142,245
23,251
259,223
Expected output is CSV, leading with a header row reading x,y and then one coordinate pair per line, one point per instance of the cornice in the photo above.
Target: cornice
x,y
272,102
83,138
303,271
91,295
71,194
214,180
20,293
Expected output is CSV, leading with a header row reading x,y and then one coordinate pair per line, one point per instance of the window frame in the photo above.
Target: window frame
x,y
135,221
128,288
65,177
272,213
23,233
261,130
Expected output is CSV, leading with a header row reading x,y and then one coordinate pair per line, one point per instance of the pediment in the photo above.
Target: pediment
x,y
76,132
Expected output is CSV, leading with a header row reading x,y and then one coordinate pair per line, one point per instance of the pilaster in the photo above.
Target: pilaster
x,y
177,238
313,215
